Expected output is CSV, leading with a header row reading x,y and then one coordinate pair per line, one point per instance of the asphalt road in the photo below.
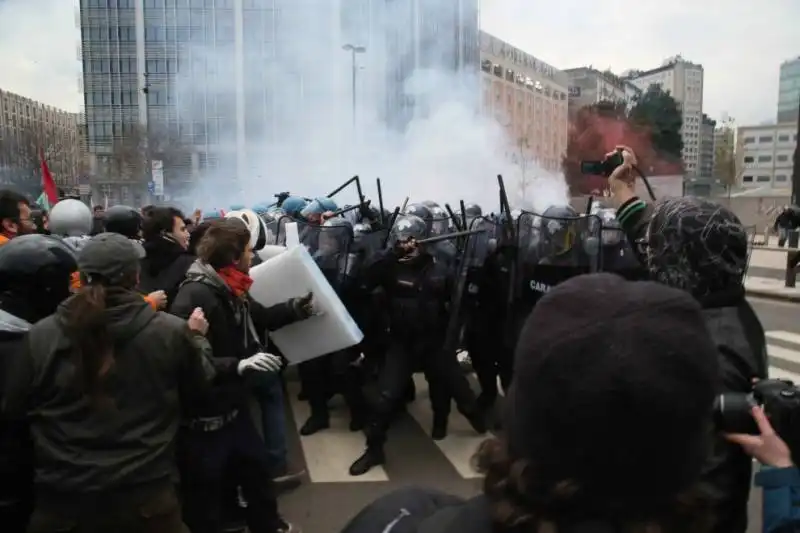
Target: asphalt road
x,y
330,497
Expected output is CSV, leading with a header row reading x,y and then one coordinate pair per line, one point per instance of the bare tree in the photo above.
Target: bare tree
x,y
523,158
132,154
726,167
21,152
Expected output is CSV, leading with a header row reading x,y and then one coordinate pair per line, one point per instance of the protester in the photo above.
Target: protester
x,y
221,448
35,272
701,247
103,383
15,216
166,240
98,219
600,436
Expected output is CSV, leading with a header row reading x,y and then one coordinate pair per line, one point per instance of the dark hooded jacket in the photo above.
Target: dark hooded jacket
x,y
164,267
229,333
16,449
159,367
701,247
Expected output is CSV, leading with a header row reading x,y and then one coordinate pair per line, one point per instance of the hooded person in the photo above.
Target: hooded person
x,y
600,437
35,272
701,247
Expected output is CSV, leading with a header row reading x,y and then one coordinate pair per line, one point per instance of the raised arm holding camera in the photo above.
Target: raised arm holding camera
x,y
701,247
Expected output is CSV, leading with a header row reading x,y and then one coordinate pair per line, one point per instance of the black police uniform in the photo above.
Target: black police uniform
x,y
417,290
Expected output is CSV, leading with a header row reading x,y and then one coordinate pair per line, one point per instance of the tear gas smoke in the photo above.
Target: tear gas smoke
x,y
300,134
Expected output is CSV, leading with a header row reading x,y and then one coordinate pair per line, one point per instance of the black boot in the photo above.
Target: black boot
x,y
373,456
439,430
316,422
476,419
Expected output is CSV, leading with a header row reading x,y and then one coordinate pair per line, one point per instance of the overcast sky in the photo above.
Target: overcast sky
x,y
741,43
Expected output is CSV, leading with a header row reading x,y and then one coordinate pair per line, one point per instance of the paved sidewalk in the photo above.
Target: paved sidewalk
x,y
771,288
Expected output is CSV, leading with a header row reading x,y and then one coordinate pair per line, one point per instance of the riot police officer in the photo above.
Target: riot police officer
x,y
124,220
333,373
418,289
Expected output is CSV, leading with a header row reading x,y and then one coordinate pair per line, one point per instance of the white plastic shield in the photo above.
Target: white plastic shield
x,y
292,274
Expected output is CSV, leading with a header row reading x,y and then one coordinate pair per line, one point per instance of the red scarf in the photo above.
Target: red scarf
x,y
237,281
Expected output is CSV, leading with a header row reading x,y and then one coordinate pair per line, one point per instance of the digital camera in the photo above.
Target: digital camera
x,y
604,167
780,400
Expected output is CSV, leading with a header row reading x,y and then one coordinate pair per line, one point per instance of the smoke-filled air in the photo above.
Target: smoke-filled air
x,y
305,131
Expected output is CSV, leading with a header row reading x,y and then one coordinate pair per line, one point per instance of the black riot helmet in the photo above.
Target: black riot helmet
x,y
124,220
335,234
36,270
430,204
408,227
473,211
557,231
422,212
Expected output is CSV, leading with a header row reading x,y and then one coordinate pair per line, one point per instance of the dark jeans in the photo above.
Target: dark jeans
x,y
150,509
213,464
268,391
330,374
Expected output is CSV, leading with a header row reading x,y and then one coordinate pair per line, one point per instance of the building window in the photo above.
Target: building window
x,y
747,179
780,178
763,179
783,138
749,140
749,159
764,158
766,139
783,158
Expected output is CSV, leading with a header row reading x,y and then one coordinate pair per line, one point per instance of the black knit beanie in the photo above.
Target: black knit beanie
x,y
613,388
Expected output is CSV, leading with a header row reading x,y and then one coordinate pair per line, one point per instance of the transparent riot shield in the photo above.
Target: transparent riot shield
x,y
618,256
460,295
552,250
330,248
440,225
271,229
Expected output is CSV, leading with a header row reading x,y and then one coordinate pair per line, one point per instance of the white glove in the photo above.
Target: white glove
x,y
260,362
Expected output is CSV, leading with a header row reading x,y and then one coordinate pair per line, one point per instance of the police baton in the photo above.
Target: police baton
x,y
456,235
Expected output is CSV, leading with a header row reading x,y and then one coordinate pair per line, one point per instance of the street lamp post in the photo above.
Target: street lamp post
x,y
354,49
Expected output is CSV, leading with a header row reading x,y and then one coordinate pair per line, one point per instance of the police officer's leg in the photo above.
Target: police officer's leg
x,y
250,468
392,383
347,379
314,375
479,343
444,368
440,399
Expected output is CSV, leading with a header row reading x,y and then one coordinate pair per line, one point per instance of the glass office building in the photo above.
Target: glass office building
x,y
217,77
789,91
435,36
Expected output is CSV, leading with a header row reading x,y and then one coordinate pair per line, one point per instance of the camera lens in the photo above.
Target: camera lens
x,y
733,413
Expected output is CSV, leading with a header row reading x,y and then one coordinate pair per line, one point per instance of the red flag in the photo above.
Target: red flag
x,y
48,185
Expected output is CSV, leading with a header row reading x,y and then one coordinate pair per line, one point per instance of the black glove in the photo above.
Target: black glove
x,y
303,307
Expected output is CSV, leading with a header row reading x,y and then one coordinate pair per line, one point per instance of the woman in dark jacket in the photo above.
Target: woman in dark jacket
x,y
166,241
701,247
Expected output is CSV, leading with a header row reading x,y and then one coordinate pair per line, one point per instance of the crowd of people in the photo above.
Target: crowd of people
x,y
130,360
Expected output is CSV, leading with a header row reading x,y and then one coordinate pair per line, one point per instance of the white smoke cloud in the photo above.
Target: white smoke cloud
x,y
300,135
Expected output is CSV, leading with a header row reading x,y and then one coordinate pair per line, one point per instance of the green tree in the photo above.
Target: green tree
x,y
656,111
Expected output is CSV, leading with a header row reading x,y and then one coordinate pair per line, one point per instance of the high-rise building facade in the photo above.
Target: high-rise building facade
x,y
29,128
724,152
529,98
217,80
433,40
706,160
789,91
765,155
588,86
684,81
